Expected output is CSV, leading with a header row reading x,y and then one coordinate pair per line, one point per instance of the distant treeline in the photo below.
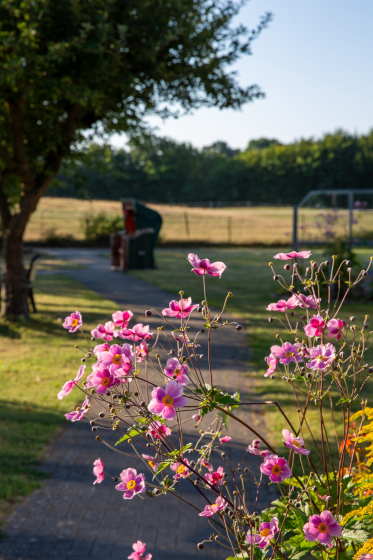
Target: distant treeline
x,y
162,170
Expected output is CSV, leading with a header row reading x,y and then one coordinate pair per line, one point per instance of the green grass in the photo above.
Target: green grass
x,y
37,357
249,278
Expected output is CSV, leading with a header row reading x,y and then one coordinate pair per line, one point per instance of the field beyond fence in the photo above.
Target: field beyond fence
x,y
62,218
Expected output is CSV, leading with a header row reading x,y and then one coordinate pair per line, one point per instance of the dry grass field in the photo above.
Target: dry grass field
x,y
237,226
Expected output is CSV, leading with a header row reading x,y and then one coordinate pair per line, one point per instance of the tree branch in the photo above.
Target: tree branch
x,y
5,212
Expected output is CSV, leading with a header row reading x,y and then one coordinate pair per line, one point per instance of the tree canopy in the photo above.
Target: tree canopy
x,y
163,170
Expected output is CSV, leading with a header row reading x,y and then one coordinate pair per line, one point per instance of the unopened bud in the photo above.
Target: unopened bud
x,y
148,313
238,327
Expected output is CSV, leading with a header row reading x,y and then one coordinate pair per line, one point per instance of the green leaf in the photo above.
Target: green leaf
x,y
356,536
161,467
345,399
131,434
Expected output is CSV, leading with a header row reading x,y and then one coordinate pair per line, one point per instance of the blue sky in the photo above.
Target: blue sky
x,y
315,64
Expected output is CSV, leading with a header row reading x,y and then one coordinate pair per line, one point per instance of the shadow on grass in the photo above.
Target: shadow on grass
x,y
24,432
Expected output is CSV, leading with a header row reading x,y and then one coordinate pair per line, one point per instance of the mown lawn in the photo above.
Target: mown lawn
x,y
249,278
37,357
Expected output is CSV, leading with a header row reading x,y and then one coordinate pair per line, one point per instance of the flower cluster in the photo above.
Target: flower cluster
x,y
147,386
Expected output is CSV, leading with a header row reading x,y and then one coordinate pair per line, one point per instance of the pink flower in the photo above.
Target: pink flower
x,y
164,401
214,508
335,327
225,439
295,443
68,386
78,414
293,255
183,306
98,471
206,464
180,469
132,483
321,528
254,449
122,318
315,327
304,301
139,332
202,267
366,557
73,322
102,379
322,355
174,367
118,359
197,417
158,430
287,353
272,363
266,533
141,351
139,549
276,468
106,332
105,347
215,478
282,305
152,462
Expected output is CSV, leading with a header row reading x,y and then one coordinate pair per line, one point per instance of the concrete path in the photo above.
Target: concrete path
x,y
69,518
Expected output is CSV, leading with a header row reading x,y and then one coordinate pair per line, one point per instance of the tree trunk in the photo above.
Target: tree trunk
x,y
13,284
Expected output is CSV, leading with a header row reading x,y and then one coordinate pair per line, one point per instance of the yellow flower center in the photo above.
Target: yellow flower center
x,y
177,372
296,443
289,354
264,532
105,381
75,322
168,401
323,528
152,464
321,357
181,469
116,359
131,484
276,469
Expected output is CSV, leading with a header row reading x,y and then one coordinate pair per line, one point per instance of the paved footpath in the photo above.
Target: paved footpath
x,y
70,519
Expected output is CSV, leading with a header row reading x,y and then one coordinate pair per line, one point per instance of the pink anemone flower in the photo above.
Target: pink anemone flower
x,y
184,339
132,483
276,468
322,355
225,439
68,386
177,308
203,266
214,508
139,332
118,359
98,471
206,464
266,533
106,332
78,414
166,400
158,430
254,449
287,353
215,478
122,318
322,528
180,469
283,305
366,557
73,322
293,255
152,462
141,351
105,347
294,443
335,327
181,371
304,301
102,379
139,549
315,327
272,363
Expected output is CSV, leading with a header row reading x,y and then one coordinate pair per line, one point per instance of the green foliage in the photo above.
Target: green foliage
x,y
163,170
98,227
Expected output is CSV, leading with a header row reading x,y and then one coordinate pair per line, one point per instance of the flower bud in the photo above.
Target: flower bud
x,y
365,274
201,356
270,320
287,267
275,277
238,327
230,294
200,546
148,313
348,263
